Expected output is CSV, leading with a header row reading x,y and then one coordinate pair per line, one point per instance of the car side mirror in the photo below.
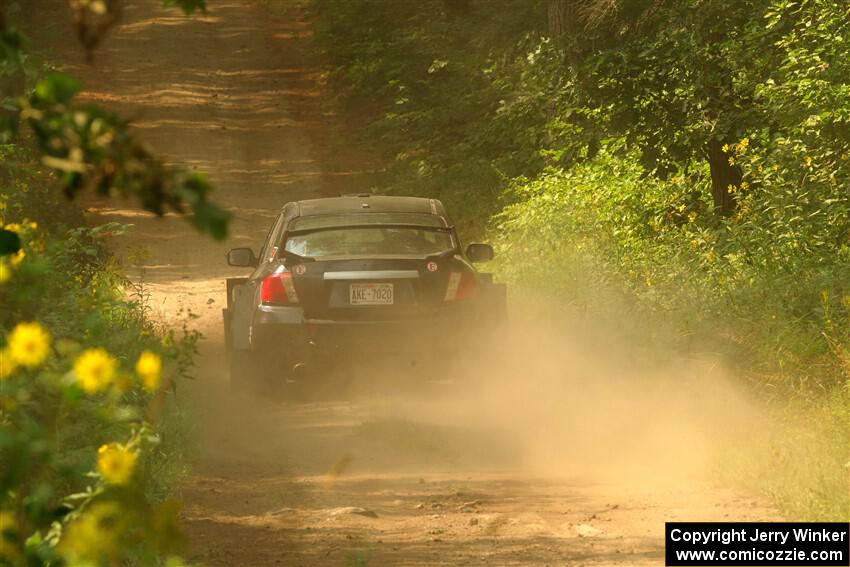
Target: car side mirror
x,y
241,258
479,252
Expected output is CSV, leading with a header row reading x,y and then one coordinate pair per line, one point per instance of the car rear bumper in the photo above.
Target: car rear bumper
x,y
285,329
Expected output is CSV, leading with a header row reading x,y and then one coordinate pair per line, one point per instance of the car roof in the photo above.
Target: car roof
x,y
368,204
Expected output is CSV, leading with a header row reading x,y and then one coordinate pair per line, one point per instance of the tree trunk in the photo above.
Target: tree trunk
x,y
563,17
92,26
723,175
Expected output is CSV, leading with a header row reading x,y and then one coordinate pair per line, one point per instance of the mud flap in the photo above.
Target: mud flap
x,y
229,311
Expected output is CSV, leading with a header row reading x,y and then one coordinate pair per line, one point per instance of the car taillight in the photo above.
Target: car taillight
x,y
278,289
462,285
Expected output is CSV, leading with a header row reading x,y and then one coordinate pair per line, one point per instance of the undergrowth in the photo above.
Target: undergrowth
x,y
584,158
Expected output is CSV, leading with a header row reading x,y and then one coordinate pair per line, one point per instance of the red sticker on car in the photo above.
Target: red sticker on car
x,y
300,269
432,266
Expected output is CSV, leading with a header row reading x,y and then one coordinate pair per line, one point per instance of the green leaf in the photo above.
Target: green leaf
x,y
57,88
10,242
212,219
206,216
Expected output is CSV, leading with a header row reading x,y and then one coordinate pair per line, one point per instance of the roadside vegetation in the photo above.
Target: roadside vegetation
x,y
91,439
91,443
677,169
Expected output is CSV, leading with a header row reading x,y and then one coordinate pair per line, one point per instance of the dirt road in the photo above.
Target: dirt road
x,y
543,457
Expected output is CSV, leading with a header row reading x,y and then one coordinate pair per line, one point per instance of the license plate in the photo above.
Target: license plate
x,y
371,293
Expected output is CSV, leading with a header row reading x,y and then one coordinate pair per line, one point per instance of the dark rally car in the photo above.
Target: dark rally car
x,y
361,274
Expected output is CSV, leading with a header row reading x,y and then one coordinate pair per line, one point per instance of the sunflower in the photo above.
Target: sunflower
x,y
95,369
116,463
29,344
149,369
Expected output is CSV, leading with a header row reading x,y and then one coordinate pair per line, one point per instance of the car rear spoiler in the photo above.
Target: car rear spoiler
x,y
346,226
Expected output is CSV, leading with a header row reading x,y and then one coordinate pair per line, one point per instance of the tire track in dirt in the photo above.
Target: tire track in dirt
x,y
236,93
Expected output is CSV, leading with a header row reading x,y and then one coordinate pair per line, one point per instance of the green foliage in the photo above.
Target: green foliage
x,y
87,448
10,242
83,386
438,86
586,155
471,112
677,76
767,289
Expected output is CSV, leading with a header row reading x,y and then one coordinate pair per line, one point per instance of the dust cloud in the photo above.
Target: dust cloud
x,y
536,397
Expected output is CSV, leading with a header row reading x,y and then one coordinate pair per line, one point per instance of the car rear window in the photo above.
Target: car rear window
x,y
366,218
370,241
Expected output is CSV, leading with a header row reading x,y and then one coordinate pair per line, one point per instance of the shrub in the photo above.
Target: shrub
x,y
767,290
84,376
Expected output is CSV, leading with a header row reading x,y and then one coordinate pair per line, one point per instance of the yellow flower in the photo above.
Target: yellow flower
x,y
692,216
18,257
731,160
725,148
149,369
7,364
745,185
775,167
94,535
744,143
5,272
95,369
808,161
29,344
116,463
8,549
